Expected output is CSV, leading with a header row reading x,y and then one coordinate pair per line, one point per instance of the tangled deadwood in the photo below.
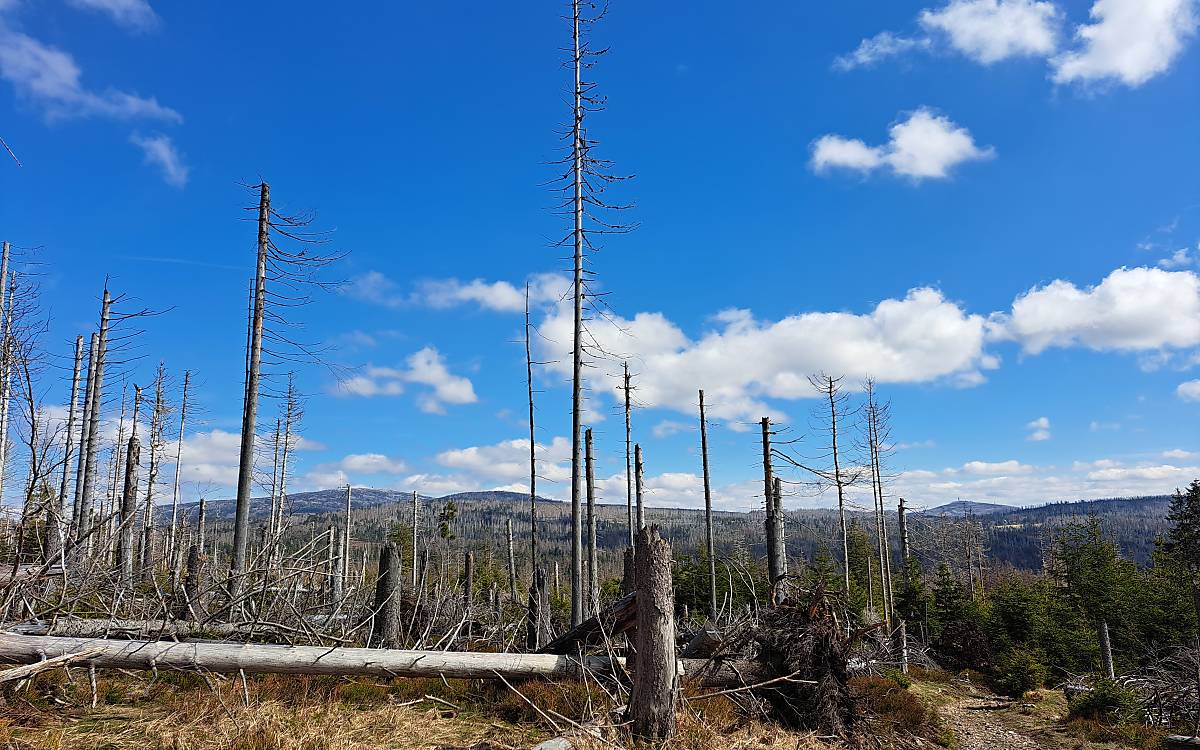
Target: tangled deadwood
x,y
804,639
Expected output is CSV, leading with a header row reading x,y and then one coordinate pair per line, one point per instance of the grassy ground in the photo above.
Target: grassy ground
x,y
175,711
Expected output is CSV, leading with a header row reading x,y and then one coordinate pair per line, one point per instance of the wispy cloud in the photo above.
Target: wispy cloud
x,y
50,79
136,15
159,151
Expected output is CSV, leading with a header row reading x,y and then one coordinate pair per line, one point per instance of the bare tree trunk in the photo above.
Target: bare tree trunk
x,y
781,560
512,563
593,579
710,547
415,519
172,539
81,459
656,680
386,630
58,533
241,524
128,512
537,629
6,353
628,466
156,429
839,482
577,156
468,587
1106,655
903,523
93,428
774,569
638,477
533,519
200,517
346,539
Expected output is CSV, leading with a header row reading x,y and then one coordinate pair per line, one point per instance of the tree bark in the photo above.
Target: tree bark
x,y
638,477
1106,655
577,159
241,524
386,630
93,439
58,529
656,681
593,577
128,512
709,545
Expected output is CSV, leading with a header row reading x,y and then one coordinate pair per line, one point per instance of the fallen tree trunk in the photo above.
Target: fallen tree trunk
x,y
613,621
143,629
375,662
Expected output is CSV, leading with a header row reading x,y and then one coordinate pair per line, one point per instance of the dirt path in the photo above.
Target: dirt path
x,y
978,725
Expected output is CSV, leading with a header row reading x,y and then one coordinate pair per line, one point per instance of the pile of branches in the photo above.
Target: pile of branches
x,y
1169,690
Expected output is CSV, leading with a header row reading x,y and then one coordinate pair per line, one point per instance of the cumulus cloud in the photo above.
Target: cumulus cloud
x,y
1128,41
1039,429
50,79
159,151
1132,309
508,461
1178,454
923,146
1181,258
989,31
921,338
878,48
1189,390
425,367
136,15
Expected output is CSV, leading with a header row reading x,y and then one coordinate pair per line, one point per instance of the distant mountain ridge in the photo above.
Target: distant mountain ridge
x,y
963,508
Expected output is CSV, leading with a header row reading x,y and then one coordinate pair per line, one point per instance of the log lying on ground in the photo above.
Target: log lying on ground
x,y
616,619
146,629
375,662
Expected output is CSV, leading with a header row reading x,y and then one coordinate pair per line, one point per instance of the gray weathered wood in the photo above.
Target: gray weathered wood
x,y
386,630
709,545
656,680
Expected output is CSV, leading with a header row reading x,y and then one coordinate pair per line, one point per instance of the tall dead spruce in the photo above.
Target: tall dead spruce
x,y
582,185
286,273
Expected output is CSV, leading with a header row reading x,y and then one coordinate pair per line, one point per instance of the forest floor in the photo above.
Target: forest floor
x,y
980,720
173,711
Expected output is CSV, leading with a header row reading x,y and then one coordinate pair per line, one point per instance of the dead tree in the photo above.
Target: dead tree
x,y
60,532
291,272
172,539
157,426
129,501
512,562
776,560
709,546
593,577
839,478
92,428
628,467
533,520
656,679
878,447
386,628
81,457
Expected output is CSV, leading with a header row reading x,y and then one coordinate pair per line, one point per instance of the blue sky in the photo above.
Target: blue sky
x,y
990,206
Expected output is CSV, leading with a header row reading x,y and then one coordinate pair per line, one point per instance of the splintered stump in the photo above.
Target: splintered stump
x,y
656,679
386,625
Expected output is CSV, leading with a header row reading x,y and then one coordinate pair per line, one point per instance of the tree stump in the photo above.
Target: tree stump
x,y
386,628
656,681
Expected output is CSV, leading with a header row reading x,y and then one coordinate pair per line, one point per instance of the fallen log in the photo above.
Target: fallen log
x,y
144,629
258,658
29,670
615,620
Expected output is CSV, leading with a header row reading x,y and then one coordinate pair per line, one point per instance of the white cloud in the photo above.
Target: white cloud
x,y
428,368
880,47
50,79
1039,430
500,296
133,14
1097,426
989,31
372,463
1189,390
425,367
1164,471
920,338
159,150
667,428
995,469
1178,454
924,146
508,461
1181,258
1129,41
1132,309
497,296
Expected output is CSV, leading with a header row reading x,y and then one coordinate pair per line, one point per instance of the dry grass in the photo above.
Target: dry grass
x,y
185,711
